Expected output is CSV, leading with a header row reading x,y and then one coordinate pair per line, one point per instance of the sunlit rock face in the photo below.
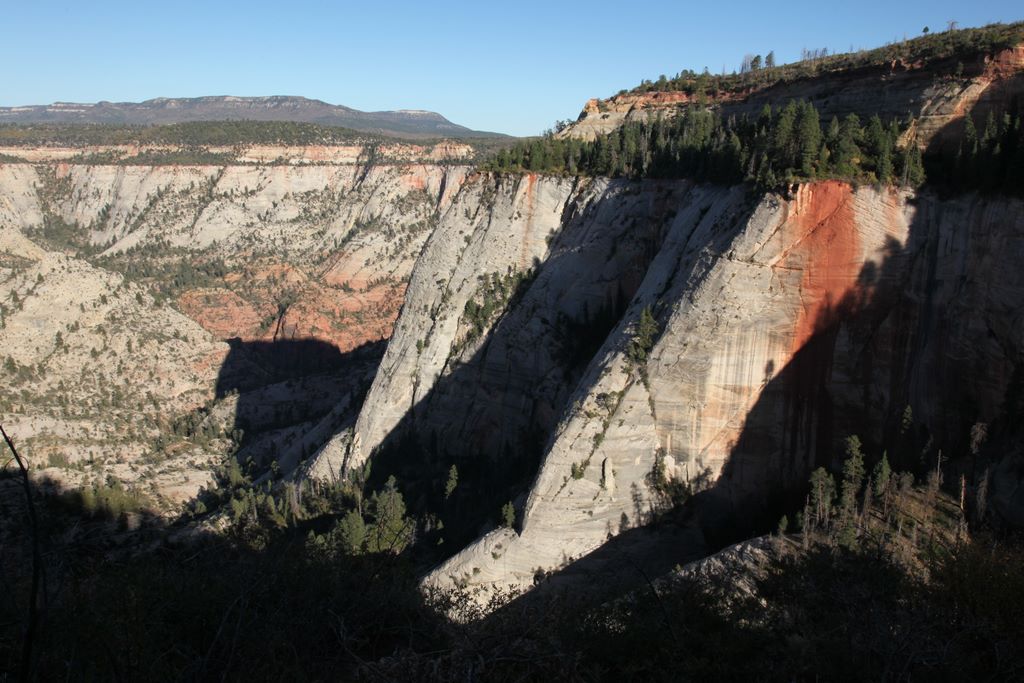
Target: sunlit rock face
x,y
139,295
936,95
785,324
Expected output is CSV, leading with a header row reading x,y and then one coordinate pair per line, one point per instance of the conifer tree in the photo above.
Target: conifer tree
x,y
809,138
352,532
823,491
453,481
391,530
853,478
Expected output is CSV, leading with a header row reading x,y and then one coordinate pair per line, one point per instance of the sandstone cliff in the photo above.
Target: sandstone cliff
x,y
785,325
934,94
122,285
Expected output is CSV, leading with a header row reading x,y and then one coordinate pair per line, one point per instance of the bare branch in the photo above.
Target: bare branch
x,y
37,566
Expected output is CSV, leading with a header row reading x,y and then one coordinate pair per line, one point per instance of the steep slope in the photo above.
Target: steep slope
x,y
935,94
785,325
157,317
503,314
812,319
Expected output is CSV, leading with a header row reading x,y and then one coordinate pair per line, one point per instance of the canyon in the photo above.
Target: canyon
x,y
577,349
138,298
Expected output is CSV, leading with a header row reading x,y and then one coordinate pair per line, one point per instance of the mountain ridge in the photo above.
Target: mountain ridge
x,y
168,110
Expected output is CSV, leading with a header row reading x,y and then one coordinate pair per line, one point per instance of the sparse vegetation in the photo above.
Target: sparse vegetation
x,y
495,293
191,134
961,44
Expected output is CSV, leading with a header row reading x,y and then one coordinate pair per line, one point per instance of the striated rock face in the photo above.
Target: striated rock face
x,y
784,326
486,391
121,285
339,240
494,227
935,95
354,154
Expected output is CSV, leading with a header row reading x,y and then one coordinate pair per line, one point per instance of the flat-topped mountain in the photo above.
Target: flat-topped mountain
x,y
164,110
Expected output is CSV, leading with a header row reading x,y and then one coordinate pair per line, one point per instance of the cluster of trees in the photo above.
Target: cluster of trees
x,y
989,159
494,294
108,500
755,63
261,506
63,235
841,513
643,338
166,269
384,526
196,133
297,603
780,145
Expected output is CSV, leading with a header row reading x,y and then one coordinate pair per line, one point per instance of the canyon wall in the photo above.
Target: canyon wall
x,y
934,94
142,303
783,326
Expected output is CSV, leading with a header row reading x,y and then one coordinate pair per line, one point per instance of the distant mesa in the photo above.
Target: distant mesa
x,y
164,110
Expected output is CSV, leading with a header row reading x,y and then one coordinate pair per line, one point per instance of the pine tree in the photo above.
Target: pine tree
x,y
847,148
913,166
823,491
878,143
391,530
881,476
643,338
853,478
453,481
352,532
784,141
809,138
508,515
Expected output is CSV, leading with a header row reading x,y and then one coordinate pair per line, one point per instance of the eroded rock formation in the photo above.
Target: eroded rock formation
x,y
785,324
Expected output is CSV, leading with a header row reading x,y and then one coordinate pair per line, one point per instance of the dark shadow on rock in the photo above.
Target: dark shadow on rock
x,y
946,159
902,336
888,90
908,361
493,414
630,561
289,384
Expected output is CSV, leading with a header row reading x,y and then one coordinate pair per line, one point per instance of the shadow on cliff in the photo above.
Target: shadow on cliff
x,y
287,383
994,162
887,362
891,363
492,415
848,378
766,471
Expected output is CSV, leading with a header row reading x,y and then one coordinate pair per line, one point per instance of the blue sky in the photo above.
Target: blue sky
x,y
513,67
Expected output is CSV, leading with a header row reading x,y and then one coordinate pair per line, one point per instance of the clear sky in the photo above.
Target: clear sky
x,y
513,67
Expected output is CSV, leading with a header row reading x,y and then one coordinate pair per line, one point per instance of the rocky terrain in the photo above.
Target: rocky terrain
x,y
783,327
579,349
155,315
935,94
545,365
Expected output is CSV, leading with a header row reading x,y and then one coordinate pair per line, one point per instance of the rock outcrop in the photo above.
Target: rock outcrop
x,y
934,94
123,284
784,325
